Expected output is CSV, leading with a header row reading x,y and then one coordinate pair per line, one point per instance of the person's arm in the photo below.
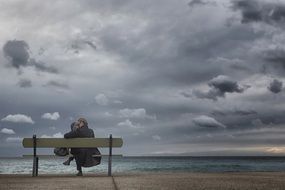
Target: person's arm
x,y
71,134
93,135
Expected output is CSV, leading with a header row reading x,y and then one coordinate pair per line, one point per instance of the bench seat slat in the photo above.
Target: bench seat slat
x,y
72,143
55,156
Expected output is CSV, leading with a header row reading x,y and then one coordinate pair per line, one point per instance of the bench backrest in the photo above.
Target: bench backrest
x,y
72,143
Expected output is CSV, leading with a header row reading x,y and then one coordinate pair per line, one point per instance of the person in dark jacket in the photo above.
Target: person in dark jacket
x,y
73,127
83,156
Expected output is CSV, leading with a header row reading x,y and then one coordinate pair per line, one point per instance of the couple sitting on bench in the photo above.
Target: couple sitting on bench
x,y
83,156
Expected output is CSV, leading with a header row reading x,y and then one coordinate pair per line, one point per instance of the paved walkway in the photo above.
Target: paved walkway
x,y
168,181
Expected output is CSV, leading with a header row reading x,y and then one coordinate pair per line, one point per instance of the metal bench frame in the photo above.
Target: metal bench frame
x,y
36,157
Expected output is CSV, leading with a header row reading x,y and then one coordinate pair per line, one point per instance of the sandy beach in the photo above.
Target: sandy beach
x,y
214,181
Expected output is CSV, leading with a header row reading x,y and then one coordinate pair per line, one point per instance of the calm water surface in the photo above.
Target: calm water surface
x,y
148,164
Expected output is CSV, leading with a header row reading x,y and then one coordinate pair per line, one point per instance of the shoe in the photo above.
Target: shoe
x,y
79,174
67,162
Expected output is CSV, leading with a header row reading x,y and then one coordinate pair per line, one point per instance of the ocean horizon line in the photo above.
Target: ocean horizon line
x,y
157,156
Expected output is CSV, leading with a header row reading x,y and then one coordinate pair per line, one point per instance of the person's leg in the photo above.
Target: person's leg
x,y
79,168
67,162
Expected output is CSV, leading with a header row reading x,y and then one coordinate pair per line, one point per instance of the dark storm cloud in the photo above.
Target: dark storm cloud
x,y
186,95
176,56
272,13
160,53
275,59
264,117
225,84
267,118
40,66
212,94
234,125
17,53
275,56
219,85
234,112
197,2
91,44
25,83
57,84
244,112
208,122
79,44
275,86
260,11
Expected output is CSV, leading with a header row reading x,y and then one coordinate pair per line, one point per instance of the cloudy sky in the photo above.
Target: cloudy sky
x,y
200,77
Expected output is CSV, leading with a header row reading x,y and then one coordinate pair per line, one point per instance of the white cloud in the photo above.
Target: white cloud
x,y
8,131
46,136
56,135
14,139
206,121
135,113
52,127
276,150
51,116
107,114
102,99
18,118
129,124
156,137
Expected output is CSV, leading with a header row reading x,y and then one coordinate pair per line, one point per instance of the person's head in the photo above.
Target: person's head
x,y
74,126
82,122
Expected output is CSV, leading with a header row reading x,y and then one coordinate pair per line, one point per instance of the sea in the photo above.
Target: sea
x,y
149,164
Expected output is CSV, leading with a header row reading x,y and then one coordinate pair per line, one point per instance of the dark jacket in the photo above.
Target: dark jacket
x,y
84,155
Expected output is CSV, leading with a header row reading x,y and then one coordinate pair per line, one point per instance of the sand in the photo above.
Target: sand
x,y
171,181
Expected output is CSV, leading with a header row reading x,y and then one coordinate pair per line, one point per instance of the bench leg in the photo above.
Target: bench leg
x,y
37,165
110,157
34,167
36,158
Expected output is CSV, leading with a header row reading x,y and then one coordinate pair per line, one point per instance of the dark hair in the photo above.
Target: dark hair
x,y
83,120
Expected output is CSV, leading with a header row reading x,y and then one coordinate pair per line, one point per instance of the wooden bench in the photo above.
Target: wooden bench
x,y
71,143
